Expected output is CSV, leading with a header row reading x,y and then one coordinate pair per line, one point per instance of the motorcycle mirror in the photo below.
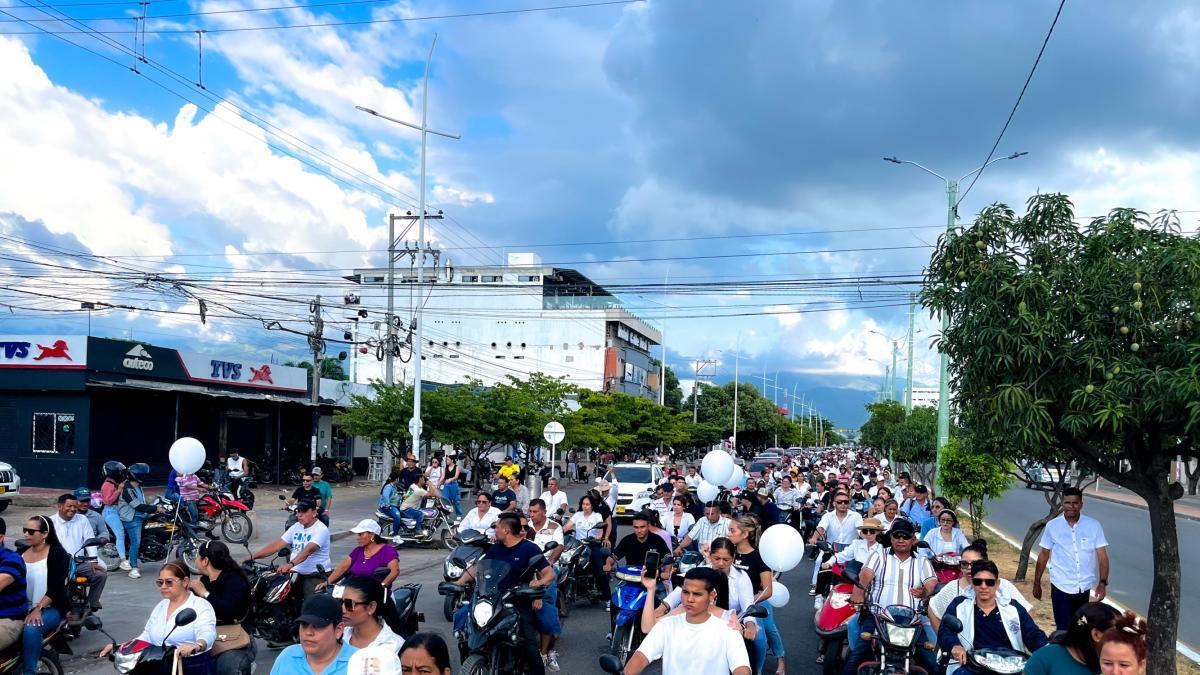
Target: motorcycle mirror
x,y
185,617
550,546
610,663
756,611
922,544
850,575
93,622
21,545
381,574
952,623
449,588
282,498
284,553
95,541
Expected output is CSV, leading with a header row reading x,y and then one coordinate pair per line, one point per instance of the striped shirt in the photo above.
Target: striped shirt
x,y
13,603
704,531
894,578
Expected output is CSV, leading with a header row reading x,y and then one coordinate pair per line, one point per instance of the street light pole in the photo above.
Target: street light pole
x,y
951,219
908,384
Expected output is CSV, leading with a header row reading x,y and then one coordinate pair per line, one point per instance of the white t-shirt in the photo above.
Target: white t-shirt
x,y
709,648
234,466
843,531
554,502
550,532
386,639
434,474
298,537
587,526
1073,566
72,533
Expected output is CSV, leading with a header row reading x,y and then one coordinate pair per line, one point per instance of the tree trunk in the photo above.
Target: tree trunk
x,y
1031,536
1163,616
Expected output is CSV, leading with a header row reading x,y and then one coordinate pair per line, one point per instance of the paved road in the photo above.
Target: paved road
x,y
1128,532
581,645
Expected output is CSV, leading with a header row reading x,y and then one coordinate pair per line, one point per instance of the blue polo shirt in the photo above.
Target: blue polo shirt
x,y
292,661
13,603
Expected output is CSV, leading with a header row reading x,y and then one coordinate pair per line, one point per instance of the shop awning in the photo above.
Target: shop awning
x,y
172,387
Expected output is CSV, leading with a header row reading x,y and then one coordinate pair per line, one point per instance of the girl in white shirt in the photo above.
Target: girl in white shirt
x,y
192,641
434,474
362,605
946,537
482,518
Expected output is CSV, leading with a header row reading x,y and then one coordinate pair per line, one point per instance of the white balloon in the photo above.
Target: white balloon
x,y
779,594
737,478
883,463
717,467
781,547
187,455
707,491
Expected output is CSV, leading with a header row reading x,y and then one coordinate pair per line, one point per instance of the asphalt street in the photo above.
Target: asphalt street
x,y
1132,562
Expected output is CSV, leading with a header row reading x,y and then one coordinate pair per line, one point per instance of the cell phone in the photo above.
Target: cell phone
x,y
652,562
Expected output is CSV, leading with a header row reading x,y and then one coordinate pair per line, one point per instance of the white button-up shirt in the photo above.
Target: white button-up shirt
x,y
555,501
843,531
473,521
160,624
1073,567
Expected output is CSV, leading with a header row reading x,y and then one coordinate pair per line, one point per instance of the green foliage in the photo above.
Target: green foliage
x,y
383,418
759,421
331,368
673,398
622,421
914,438
884,416
966,475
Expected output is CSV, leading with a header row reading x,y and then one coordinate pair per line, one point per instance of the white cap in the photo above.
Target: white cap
x,y
366,525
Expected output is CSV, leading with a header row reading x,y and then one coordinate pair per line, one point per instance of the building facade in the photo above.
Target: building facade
x,y
925,397
487,323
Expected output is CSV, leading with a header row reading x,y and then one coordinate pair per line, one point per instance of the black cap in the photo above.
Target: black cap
x,y
902,525
321,610
922,489
305,505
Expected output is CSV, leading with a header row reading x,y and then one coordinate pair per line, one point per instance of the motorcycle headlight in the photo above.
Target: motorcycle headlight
x,y
482,613
839,600
451,571
900,636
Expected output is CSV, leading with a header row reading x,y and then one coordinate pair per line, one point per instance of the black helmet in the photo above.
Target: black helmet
x,y
139,471
114,470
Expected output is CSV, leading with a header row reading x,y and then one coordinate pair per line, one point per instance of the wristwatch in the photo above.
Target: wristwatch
x,y
1104,582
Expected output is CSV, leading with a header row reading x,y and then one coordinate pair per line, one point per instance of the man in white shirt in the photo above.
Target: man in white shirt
x,y
1077,551
72,531
662,501
839,526
554,498
692,478
546,531
308,540
694,642
711,526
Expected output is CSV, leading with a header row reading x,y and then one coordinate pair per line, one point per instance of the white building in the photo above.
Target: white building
x,y
925,397
488,322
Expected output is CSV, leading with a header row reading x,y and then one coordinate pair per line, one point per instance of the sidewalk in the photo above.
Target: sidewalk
x,y
1186,507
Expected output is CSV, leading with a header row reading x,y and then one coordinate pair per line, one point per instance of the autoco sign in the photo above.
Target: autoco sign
x,y
43,351
138,358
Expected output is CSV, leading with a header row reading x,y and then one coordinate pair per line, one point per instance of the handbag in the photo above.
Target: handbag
x,y
229,637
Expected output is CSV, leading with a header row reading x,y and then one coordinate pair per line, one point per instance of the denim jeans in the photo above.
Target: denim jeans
x,y
114,523
133,532
395,514
32,637
452,493
767,625
758,649
416,515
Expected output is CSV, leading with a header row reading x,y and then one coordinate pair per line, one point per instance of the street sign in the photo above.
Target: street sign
x,y
554,433
415,427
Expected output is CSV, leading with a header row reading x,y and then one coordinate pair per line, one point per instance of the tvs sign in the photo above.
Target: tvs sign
x,y
138,358
43,351
204,368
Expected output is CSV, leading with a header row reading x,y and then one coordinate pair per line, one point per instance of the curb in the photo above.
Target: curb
x,y
1141,507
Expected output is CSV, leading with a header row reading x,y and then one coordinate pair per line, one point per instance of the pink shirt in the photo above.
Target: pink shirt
x,y
189,486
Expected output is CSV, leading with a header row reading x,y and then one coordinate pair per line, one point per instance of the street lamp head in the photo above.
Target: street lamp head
x,y
893,160
1018,154
366,110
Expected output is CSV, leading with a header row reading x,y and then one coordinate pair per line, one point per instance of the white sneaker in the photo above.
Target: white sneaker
x,y
135,574
125,566
552,661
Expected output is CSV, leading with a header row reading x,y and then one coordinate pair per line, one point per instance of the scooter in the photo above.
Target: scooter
x,y
832,621
436,530
77,588
474,545
947,567
139,657
628,598
576,578
996,660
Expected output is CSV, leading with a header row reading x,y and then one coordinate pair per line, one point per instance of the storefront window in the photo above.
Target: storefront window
x,y
54,433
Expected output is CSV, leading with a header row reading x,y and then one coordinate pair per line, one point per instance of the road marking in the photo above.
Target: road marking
x,y
1180,646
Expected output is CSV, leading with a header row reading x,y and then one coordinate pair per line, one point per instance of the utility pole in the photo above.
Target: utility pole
x,y
316,344
699,365
908,384
414,425
892,388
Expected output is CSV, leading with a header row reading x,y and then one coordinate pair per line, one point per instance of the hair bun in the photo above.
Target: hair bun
x,y
1131,623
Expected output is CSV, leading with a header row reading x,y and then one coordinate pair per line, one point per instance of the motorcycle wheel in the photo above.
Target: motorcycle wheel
x,y
236,527
49,663
832,651
566,598
248,499
447,539
476,664
186,553
621,642
449,606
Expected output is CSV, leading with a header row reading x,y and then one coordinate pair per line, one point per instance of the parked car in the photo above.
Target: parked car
x,y
635,486
1041,477
10,484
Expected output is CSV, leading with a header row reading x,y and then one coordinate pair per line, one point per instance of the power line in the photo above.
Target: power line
x,y
1016,105
326,24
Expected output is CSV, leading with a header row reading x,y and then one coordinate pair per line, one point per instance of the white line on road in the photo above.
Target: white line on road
x,y
1181,647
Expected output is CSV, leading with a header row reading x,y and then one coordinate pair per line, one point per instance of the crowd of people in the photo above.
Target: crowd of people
x,y
890,525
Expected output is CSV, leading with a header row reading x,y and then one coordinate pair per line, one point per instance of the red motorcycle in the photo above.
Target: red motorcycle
x,y
947,567
831,621
231,513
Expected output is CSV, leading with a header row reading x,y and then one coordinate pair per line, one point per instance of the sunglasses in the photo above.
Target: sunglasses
x,y
869,531
482,501
349,605
983,582
842,501
966,565
901,536
165,582
27,530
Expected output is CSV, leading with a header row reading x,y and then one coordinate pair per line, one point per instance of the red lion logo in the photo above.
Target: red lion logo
x,y
261,375
57,351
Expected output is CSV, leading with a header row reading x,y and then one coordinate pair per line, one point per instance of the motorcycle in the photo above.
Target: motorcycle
x,y
12,658
474,545
275,599
628,598
77,588
687,561
490,644
832,620
239,489
947,566
576,579
898,630
406,620
232,514
996,660
437,530
139,657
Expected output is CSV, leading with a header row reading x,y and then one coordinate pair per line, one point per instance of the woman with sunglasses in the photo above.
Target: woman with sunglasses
x,y
224,585
946,537
482,518
1005,591
987,622
862,548
362,609
193,641
46,569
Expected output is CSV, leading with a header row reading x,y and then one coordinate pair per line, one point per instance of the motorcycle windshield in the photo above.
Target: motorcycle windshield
x,y
901,615
488,576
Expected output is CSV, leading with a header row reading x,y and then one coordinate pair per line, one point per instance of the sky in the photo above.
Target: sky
x,y
743,140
